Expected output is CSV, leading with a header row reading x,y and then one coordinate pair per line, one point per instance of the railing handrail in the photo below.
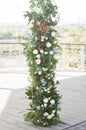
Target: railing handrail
x,y
72,43
60,43
12,43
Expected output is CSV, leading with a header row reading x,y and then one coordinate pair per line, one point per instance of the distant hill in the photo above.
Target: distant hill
x,y
66,33
72,34
11,31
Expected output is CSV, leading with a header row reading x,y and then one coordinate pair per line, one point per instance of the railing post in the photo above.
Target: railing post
x,y
82,58
64,57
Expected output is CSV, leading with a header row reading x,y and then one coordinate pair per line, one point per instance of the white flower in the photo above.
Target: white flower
x,y
45,100
42,105
49,98
48,45
38,23
37,88
35,72
51,52
58,112
35,38
44,69
48,77
53,111
37,120
38,61
31,62
49,117
38,56
52,101
45,105
39,73
41,51
57,89
52,114
46,38
45,52
53,33
46,114
35,51
48,91
42,38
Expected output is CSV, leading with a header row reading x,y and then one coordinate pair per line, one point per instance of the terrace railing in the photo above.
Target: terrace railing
x,y
72,56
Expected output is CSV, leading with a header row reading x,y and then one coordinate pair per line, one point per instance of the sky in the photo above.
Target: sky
x,y
71,11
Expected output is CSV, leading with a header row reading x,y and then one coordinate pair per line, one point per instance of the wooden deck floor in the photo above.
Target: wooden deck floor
x,y
13,103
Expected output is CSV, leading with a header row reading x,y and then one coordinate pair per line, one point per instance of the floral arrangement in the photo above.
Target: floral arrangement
x,y
41,49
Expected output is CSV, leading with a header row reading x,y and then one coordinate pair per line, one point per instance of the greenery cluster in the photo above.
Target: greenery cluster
x,y
6,35
41,50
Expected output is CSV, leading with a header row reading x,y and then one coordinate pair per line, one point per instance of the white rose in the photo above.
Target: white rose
x,y
57,89
39,72
42,38
42,105
52,101
46,114
49,98
37,88
38,56
49,117
53,33
58,112
45,100
41,51
46,38
48,77
35,51
38,61
51,52
48,45
37,120
52,114
53,111
35,38
35,72
45,105
48,92
45,52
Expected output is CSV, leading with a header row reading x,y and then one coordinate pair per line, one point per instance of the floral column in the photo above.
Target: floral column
x,y
41,50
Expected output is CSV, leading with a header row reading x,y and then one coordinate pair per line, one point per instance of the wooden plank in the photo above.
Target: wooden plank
x,y
73,106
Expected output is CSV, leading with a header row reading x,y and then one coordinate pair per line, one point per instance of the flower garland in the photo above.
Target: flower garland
x,y
41,49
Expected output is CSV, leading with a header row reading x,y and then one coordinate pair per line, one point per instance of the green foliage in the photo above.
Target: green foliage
x,y
41,49
6,35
